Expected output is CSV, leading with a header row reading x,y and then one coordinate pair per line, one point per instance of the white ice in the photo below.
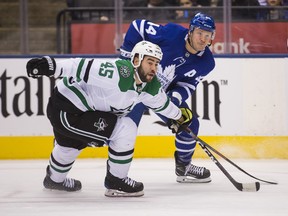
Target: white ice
x,y
22,193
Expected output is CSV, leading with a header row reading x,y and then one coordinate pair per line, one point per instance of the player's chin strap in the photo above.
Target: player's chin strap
x,y
189,42
137,76
210,43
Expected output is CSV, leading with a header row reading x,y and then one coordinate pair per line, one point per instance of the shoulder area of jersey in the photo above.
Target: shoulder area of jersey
x,y
173,32
124,67
175,25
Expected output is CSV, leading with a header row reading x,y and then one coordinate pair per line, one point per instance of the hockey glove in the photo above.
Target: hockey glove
x,y
180,125
44,66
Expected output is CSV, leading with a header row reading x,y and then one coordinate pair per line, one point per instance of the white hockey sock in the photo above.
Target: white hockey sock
x,y
61,161
119,170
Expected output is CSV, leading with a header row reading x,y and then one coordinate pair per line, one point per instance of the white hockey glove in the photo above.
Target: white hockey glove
x,y
44,66
181,124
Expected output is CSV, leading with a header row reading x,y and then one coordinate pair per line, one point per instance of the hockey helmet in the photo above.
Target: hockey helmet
x,y
143,48
203,21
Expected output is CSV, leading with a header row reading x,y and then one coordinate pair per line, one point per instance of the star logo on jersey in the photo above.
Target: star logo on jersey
x,y
101,124
121,112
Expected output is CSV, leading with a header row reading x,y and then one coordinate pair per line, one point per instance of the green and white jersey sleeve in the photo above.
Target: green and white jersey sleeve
x,y
156,99
93,84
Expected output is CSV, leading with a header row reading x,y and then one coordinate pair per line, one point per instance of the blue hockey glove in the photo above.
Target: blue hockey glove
x,y
44,66
181,124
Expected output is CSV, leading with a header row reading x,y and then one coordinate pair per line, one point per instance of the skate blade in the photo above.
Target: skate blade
x,y
54,190
117,193
189,179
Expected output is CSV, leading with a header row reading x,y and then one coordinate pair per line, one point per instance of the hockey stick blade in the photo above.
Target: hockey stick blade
x,y
225,158
249,187
235,165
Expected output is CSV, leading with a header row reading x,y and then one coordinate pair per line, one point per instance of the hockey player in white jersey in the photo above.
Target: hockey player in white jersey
x,y
88,108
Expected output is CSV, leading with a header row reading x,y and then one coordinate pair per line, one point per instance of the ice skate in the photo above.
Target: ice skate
x,y
191,173
125,187
68,184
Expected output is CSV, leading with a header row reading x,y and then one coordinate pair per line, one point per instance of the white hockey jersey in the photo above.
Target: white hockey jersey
x,y
93,84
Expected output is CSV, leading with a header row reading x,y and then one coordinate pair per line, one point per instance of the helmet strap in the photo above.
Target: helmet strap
x,y
189,42
137,77
210,43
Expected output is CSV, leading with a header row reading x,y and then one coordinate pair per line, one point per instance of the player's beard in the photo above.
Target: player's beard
x,y
143,77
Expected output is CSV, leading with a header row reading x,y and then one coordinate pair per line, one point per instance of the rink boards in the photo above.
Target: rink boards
x,y
257,147
242,107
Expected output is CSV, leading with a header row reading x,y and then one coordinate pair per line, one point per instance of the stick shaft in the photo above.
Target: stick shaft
x,y
239,186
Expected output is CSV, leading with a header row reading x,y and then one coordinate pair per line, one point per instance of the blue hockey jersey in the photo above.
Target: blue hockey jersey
x,y
179,71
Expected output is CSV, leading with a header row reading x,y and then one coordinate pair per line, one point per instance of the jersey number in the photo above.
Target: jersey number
x,y
151,30
106,70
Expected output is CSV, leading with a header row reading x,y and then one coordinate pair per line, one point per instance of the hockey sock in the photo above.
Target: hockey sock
x,y
185,148
61,161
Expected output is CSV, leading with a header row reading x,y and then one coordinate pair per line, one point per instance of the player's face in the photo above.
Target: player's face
x,y
199,39
148,68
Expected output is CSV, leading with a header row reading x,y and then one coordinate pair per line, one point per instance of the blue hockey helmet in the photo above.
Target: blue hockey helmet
x,y
203,21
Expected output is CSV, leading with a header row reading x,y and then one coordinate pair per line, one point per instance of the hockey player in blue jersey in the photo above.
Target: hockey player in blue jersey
x,y
186,60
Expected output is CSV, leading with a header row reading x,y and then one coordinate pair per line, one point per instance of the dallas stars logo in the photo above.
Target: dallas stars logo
x,y
101,124
124,71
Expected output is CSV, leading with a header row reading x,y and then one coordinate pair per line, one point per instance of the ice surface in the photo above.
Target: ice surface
x,y
22,193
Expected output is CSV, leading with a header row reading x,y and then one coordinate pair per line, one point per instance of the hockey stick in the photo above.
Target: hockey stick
x,y
240,186
225,158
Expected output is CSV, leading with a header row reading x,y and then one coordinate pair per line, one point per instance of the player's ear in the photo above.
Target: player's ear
x,y
136,60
